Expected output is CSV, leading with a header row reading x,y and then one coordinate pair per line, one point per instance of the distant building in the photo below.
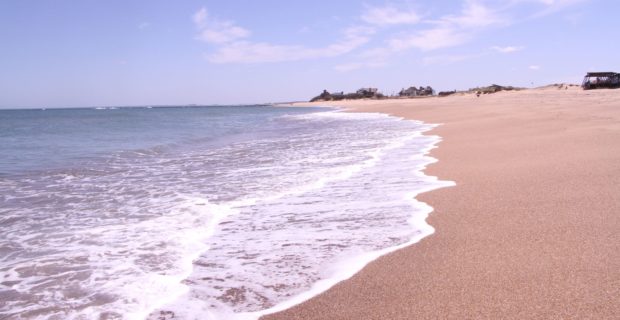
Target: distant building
x,y
416,92
367,92
363,93
338,95
596,80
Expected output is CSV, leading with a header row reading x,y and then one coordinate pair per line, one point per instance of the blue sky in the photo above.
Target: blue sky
x,y
58,53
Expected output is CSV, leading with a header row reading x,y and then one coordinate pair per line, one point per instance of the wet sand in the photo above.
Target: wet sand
x,y
532,229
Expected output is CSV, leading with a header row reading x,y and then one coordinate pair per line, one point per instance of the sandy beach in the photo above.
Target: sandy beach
x,y
532,228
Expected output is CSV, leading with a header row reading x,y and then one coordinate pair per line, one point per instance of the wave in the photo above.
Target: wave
x,y
237,229
264,282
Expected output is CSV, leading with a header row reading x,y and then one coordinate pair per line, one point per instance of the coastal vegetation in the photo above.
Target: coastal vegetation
x,y
363,93
411,92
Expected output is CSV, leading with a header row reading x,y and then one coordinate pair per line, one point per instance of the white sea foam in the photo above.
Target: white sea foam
x,y
249,227
244,280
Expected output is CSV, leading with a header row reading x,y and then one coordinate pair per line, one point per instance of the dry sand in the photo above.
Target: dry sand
x,y
532,229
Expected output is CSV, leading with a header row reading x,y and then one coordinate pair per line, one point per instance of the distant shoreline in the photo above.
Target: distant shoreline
x,y
530,231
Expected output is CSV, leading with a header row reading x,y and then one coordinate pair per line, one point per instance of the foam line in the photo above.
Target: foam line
x,y
349,267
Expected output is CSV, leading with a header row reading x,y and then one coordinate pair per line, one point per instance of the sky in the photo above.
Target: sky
x,y
78,53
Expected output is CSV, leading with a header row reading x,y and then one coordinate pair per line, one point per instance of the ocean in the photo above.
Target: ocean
x,y
205,212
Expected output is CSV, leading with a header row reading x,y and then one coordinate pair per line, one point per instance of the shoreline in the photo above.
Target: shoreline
x,y
352,265
530,230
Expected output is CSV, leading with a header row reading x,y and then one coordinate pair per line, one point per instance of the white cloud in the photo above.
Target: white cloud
x,y
508,49
560,3
389,15
376,54
448,59
534,67
200,17
144,25
550,6
456,29
450,30
551,3
359,32
212,30
250,52
447,31
431,39
231,44
345,67
258,52
222,33
475,15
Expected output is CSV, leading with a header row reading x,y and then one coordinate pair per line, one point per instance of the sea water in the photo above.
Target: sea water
x,y
216,212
